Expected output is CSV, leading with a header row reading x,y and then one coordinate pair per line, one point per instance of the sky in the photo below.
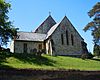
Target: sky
x,y
27,15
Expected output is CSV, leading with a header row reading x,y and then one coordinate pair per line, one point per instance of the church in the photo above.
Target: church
x,y
53,38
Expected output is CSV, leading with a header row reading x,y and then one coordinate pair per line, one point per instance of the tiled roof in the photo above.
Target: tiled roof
x,y
30,36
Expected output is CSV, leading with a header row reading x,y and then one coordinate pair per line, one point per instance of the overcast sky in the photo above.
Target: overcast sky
x,y
27,15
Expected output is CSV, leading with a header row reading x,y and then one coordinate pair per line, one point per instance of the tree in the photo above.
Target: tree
x,y
94,25
97,50
7,30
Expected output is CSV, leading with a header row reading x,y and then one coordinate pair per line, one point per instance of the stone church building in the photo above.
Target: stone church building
x,y
54,38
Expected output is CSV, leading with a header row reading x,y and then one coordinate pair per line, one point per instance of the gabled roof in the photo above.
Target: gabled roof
x,y
50,32
49,19
53,28
30,36
73,27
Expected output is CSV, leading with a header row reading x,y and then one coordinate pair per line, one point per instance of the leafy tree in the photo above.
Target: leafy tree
x,y
96,50
7,30
94,25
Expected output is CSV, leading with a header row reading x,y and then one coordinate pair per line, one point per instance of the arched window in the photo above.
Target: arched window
x,y
72,39
67,41
62,39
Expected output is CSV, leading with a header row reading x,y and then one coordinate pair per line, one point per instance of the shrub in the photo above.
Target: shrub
x,y
96,50
90,55
87,56
84,56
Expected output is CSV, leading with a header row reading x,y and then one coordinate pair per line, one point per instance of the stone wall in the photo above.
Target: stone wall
x,y
46,25
19,46
66,49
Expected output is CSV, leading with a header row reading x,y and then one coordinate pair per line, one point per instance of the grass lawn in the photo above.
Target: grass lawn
x,y
47,62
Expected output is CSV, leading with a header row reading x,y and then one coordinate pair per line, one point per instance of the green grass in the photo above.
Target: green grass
x,y
47,62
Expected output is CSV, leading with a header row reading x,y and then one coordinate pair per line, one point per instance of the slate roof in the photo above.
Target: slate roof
x,y
30,36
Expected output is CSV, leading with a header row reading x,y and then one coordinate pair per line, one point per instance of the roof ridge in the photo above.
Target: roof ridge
x,y
30,32
30,36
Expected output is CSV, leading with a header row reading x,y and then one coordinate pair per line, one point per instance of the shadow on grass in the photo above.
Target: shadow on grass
x,y
96,59
33,59
3,57
26,58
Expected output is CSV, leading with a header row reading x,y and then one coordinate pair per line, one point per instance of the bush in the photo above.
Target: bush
x,y
90,55
84,56
96,50
87,56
